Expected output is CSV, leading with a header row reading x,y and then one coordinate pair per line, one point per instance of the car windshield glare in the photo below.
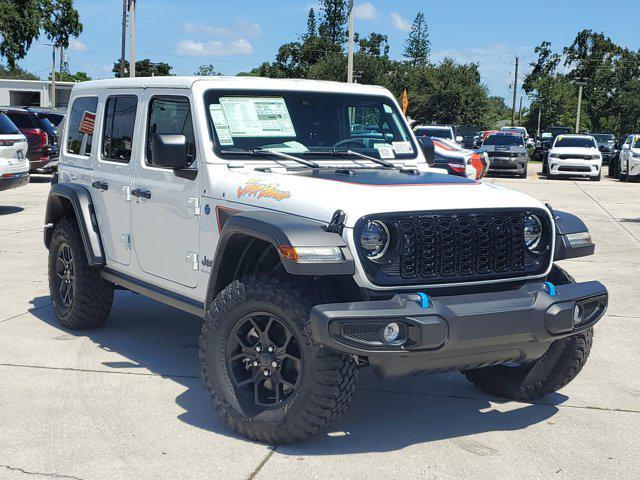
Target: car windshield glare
x,y
515,140
574,142
297,123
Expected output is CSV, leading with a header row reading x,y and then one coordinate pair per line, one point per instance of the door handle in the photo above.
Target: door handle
x,y
100,185
139,192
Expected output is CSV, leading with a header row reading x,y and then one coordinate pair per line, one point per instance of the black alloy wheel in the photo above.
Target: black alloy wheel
x,y
65,276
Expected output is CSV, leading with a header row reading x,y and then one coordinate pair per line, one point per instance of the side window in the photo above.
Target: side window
x,y
81,125
171,115
119,123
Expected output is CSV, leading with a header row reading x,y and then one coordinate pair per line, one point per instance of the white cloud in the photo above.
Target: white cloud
x,y
77,46
399,22
365,11
214,48
241,28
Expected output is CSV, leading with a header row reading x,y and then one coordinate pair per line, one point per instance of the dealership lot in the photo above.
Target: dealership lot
x,y
126,401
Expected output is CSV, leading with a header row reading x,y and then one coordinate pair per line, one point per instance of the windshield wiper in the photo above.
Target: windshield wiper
x,y
337,153
259,152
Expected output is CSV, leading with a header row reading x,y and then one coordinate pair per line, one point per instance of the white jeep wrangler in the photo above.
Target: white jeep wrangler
x,y
302,222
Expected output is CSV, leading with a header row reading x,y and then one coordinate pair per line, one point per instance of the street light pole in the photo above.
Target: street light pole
x,y
124,38
53,79
515,94
351,37
579,106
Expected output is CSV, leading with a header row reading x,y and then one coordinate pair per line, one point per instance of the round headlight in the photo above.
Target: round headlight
x,y
532,232
375,239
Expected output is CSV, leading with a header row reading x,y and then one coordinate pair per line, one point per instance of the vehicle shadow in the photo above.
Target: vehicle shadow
x,y
384,416
9,209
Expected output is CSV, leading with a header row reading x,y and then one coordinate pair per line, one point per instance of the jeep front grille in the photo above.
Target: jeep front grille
x,y
459,247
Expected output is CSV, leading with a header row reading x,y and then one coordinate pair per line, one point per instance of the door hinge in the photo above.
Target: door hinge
x,y
126,241
195,204
192,258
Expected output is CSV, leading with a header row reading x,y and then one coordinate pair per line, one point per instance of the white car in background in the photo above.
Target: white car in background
x,y
630,159
14,166
575,156
445,132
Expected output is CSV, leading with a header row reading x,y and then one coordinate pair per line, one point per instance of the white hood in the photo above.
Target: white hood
x,y
318,195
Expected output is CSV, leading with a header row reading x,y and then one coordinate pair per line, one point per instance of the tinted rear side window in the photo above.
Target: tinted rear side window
x,y
21,119
119,123
7,127
81,125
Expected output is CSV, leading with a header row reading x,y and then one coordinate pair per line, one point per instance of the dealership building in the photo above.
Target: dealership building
x,y
33,93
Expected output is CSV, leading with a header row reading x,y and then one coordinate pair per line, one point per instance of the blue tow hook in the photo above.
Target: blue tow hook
x,y
424,300
552,288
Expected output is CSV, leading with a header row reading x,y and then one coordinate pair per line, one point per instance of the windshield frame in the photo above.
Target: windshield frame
x,y
366,99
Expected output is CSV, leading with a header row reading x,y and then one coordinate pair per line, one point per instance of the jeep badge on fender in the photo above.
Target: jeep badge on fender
x,y
327,243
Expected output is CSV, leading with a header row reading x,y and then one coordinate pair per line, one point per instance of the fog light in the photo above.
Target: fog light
x,y
391,332
577,315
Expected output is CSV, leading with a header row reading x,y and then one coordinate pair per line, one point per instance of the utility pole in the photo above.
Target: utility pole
x,y
580,84
515,94
53,79
539,119
61,61
124,38
132,51
520,112
351,36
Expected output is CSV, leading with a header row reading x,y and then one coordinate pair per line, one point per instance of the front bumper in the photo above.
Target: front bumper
x,y
508,165
459,332
13,180
587,168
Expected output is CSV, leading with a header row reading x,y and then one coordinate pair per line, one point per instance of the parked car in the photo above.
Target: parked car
x,y
456,160
438,131
14,166
545,142
42,137
309,253
54,115
614,163
630,159
507,153
575,156
607,146
469,136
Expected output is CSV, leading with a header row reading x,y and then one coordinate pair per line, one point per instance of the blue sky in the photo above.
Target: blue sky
x,y
237,35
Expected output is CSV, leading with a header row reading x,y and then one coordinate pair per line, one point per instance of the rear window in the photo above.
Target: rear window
x,y
21,119
46,125
81,125
7,127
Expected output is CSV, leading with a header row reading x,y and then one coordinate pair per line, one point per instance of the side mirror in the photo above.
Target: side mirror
x,y
459,139
169,151
428,149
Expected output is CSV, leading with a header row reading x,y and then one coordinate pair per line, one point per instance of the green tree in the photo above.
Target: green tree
x,y
333,22
75,77
417,46
21,22
16,73
144,68
375,44
206,71
312,25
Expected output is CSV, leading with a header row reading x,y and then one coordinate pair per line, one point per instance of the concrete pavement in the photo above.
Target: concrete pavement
x,y
126,401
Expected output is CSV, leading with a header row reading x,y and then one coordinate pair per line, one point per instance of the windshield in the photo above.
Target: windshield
x,y
6,126
433,132
576,142
515,140
603,137
299,123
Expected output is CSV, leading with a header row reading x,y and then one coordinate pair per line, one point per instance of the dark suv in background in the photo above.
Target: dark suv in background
x,y
545,142
42,137
607,146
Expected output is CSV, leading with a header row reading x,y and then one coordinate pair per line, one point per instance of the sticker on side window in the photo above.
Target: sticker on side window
x,y
385,150
220,123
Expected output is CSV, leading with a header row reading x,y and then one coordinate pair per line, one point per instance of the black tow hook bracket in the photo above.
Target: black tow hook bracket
x,y
337,222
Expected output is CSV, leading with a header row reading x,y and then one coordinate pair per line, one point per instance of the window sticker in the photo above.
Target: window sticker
x,y
385,150
221,125
402,147
257,117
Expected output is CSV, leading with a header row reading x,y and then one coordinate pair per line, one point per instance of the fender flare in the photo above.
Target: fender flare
x,y
278,229
80,200
567,224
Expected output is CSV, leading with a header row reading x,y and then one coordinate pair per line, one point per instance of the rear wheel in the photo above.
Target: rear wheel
x,y
80,297
263,372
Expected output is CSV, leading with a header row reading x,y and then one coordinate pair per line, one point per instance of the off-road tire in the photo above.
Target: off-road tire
x,y
92,297
560,364
328,378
